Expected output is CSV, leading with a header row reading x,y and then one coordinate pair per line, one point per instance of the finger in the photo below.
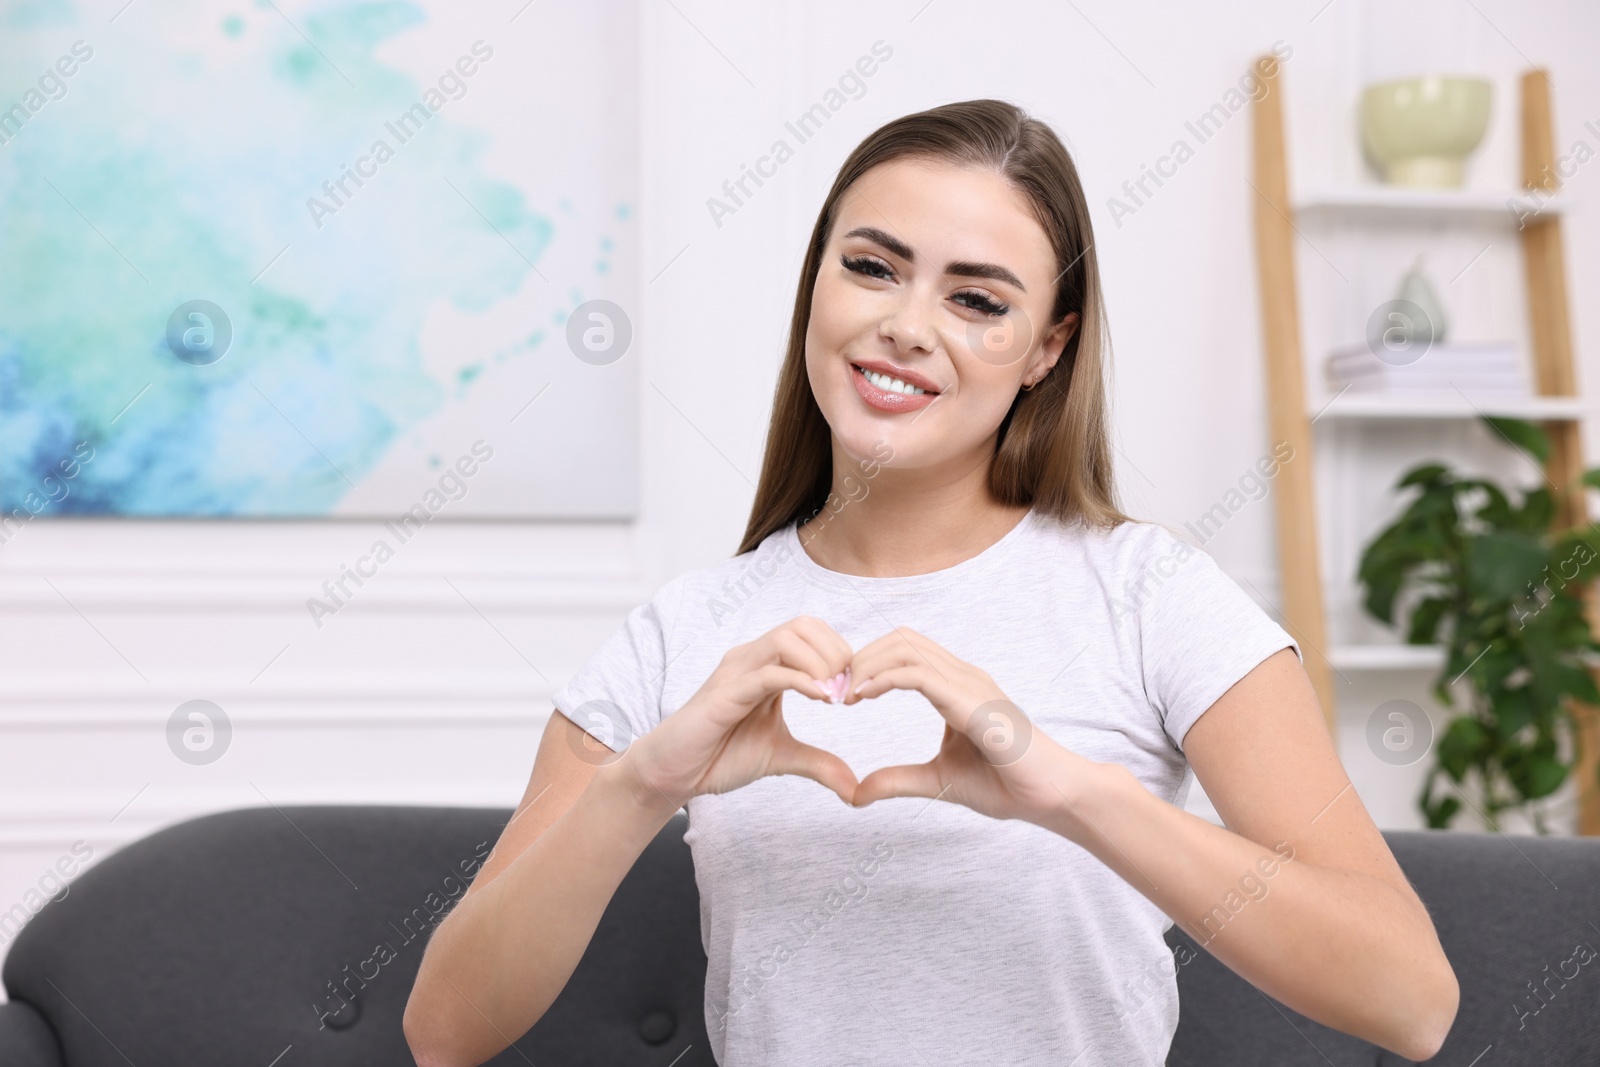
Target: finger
x,y
833,649
863,668
791,649
808,761
916,651
825,639
904,780
750,688
790,646
864,665
918,677
901,677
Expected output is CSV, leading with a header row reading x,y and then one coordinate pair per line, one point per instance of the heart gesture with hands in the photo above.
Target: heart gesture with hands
x,y
992,759
732,732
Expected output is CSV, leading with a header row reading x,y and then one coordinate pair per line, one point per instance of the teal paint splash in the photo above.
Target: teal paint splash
x,y
174,172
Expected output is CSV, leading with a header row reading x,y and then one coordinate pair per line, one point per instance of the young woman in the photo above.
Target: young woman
x,y
935,565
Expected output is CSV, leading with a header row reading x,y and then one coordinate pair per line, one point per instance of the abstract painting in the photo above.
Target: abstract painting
x,y
314,259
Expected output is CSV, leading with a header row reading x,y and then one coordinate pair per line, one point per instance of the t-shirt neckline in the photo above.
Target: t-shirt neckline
x,y
908,583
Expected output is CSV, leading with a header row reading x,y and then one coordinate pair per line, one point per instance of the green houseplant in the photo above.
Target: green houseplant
x,y
1495,582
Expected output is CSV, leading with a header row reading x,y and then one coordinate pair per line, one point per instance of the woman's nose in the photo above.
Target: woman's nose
x,y
909,324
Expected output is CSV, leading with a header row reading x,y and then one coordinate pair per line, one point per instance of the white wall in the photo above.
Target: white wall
x,y
413,694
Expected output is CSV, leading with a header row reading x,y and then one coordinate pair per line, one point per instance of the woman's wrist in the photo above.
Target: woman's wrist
x,y
1085,789
618,785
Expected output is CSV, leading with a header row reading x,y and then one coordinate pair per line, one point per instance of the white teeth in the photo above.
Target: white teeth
x,y
893,385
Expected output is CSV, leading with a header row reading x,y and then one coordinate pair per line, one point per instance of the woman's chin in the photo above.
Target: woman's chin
x,y
869,442
879,456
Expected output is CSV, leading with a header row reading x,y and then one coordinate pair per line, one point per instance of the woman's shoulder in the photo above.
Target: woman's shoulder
x,y
1130,545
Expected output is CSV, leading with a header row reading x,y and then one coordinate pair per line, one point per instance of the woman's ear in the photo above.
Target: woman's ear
x,y
1055,342
1060,334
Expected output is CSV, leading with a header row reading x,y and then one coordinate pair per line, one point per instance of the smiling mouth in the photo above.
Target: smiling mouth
x,y
888,394
889,384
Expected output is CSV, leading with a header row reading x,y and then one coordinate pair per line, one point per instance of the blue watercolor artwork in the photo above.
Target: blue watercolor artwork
x,y
296,263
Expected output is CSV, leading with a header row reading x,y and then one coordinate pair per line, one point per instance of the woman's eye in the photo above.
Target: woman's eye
x,y
864,265
874,268
983,303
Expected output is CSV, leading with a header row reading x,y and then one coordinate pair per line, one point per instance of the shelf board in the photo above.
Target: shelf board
x,y
1395,202
1386,657
1451,405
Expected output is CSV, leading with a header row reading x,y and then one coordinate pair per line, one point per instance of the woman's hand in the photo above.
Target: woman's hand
x,y
992,759
732,732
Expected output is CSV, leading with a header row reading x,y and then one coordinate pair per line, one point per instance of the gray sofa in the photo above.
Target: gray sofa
x,y
290,938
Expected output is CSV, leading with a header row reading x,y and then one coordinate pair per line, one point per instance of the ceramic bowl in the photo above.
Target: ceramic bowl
x,y
1419,131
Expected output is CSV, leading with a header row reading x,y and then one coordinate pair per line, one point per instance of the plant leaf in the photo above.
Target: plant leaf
x,y
1538,508
1439,815
1428,474
1513,709
1460,745
1521,433
1545,777
1536,772
1496,509
1425,620
1576,554
1578,683
1501,564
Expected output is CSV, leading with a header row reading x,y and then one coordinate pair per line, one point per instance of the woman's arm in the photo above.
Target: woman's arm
x,y
496,963
504,953
1335,932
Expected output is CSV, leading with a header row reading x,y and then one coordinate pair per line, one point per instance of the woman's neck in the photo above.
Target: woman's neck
x,y
896,523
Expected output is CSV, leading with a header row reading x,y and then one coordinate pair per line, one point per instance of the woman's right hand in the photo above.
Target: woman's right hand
x,y
732,732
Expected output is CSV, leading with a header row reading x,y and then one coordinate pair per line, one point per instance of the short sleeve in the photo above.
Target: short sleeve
x,y
1199,633
616,695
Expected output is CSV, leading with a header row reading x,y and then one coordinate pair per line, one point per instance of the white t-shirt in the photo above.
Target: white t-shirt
x,y
919,931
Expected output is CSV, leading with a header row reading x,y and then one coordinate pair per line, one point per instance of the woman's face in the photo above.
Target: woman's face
x,y
935,277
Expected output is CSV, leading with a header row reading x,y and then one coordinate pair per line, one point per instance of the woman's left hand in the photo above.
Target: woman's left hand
x,y
992,759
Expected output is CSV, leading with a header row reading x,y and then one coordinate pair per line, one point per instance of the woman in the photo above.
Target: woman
x,y
934,550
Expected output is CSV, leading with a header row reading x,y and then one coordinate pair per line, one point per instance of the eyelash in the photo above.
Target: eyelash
x,y
981,302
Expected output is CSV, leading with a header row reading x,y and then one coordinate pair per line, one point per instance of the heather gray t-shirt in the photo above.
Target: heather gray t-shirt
x,y
915,930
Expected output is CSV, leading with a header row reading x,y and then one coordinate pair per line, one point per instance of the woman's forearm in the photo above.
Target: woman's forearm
x,y
1341,947
501,957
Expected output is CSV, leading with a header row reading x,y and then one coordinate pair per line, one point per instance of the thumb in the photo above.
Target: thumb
x,y
903,780
808,761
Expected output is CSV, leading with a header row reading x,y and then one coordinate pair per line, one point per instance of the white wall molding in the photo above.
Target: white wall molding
x,y
34,592
423,682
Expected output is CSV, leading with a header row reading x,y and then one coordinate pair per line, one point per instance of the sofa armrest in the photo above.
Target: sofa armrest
x,y
26,1039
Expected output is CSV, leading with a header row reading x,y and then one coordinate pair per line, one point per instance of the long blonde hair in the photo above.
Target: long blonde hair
x,y
1053,451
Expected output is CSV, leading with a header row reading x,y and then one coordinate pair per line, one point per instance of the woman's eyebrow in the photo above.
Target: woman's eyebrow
x,y
961,268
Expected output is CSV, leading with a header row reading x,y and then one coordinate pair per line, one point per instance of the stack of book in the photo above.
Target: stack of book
x,y
1443,367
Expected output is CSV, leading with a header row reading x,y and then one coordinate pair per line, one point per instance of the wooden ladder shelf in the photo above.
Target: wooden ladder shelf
x,y
1549,330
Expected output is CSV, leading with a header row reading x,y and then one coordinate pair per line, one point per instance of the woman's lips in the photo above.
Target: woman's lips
x,y
886,399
